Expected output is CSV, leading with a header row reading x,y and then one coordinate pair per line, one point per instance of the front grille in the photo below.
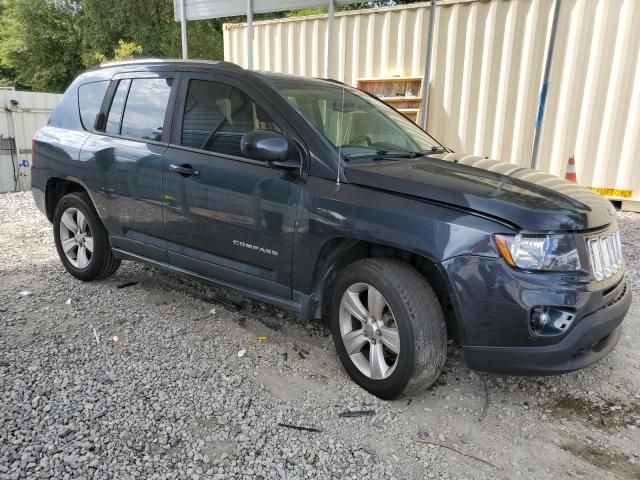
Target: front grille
x,y
605,252
616,299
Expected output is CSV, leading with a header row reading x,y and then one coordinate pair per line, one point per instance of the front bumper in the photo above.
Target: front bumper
x,y
494,320
590,341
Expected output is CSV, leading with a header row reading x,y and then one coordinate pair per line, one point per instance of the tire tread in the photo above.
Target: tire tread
x,y
424,314
109,264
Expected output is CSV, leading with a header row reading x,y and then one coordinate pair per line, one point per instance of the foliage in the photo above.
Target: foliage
x,y
303,12
39,42
7,75
147,23
44,44
127,50
124,51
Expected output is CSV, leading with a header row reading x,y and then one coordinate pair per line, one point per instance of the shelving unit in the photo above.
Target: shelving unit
x,y
402,93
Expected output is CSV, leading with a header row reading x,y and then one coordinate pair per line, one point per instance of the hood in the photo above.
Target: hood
x,y
527,198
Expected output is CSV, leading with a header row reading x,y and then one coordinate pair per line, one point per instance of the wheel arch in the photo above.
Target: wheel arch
x,y
340,252
56,188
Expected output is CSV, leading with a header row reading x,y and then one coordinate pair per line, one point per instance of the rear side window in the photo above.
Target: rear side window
x,y
67,114
90,96
217,115
145,108
117,106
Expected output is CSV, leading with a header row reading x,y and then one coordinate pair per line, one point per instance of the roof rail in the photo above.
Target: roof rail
x,y
145,61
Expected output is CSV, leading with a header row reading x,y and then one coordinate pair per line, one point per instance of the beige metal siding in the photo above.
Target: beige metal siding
x,y
36,109
487,68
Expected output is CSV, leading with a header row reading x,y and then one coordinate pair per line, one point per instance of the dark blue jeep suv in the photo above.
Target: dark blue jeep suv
x,y
322,200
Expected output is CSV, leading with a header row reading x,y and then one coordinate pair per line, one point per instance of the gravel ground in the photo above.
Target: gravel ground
x,y
149,381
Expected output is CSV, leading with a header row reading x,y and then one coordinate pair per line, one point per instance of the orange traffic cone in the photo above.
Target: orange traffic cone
x,y
570,174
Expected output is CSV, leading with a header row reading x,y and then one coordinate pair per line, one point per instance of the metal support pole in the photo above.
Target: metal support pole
x,y
329,51
545,85
183,28
427,67
249,35
17,183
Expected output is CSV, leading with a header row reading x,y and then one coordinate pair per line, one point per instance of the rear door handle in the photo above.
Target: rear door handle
x,y
186,170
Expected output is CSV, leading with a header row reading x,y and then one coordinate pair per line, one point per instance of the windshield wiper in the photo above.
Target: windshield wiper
x,y
391,154
436,148
385,154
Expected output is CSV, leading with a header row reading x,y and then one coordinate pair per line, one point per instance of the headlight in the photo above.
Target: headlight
x,y
539,252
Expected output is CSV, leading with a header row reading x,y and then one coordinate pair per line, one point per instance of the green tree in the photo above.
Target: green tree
x,y
7,75
127,50
148,23
44,44
39,42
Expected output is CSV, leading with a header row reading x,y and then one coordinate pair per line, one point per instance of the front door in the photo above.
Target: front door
x,y
227,216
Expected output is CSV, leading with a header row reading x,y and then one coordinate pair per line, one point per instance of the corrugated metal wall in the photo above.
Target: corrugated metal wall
x,y
487,67
36,109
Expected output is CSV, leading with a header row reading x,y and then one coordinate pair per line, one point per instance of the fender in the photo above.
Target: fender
x,y
57,159
360,214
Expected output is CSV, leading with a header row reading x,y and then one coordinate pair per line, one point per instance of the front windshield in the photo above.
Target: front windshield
x,y
357,125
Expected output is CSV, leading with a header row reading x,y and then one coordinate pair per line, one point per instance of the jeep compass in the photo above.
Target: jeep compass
x,y
324,201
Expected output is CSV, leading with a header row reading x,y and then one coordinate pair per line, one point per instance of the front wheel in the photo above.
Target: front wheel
x,y
81,240
388,327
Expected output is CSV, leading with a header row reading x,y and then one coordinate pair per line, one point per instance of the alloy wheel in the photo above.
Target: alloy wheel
x,y
369,331
76,238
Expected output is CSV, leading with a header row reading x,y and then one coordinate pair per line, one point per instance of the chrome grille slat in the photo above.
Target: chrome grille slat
x,y
605,253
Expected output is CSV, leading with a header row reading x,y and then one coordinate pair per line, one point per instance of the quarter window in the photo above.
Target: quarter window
x,y
217,115
90,97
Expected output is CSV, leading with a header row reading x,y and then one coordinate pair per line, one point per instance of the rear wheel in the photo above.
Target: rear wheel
x,y
81,240
388,327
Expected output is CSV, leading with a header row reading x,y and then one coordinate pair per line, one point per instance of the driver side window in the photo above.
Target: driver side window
x,y
217,115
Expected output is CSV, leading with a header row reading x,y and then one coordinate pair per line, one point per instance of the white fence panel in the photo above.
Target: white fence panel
x,y
34,111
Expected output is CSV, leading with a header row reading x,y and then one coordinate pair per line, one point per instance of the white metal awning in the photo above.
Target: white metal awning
x,y
202,9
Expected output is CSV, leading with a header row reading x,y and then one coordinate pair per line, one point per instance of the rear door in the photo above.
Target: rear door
x,y
228,216
128,160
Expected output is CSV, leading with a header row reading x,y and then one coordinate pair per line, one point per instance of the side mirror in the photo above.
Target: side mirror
x,y
100,121
270,147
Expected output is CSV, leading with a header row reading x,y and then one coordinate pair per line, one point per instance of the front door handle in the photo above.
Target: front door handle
x,y
186,169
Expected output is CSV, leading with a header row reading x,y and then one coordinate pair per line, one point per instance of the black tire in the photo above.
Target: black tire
x,y
102,263
418,317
